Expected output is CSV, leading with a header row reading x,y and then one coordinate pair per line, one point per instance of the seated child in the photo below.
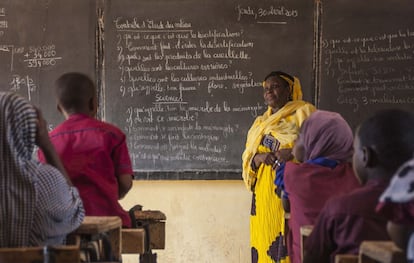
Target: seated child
x,y
397,204
324,146
39,205
93,152
382,143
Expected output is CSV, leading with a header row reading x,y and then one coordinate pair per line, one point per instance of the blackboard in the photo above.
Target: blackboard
x,y
40,40
183,78
367,57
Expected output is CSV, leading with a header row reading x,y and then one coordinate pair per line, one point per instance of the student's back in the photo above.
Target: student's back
x,y
88,148
94,153
382,143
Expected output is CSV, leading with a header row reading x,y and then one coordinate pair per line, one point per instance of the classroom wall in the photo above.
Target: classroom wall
x,y
207,221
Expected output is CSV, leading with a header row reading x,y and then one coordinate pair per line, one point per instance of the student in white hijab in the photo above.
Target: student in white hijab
x,y
38,204
397,203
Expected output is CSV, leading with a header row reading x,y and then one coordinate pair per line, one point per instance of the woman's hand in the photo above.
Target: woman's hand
x,y
274,159
266,158
284,155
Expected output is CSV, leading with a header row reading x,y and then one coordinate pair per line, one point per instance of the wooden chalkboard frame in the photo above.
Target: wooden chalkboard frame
x,y
187,175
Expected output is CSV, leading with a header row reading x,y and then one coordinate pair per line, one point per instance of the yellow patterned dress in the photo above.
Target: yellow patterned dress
x,y
267,220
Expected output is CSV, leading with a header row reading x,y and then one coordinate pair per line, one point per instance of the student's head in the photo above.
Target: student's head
x,y
383,142
76,93
324,134
18,120
279,88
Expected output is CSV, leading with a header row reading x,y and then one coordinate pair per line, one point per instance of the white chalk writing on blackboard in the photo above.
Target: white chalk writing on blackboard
x,y
372,69
25,85
162,60
260,14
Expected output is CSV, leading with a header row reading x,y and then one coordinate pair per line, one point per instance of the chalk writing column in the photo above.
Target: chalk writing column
x,y
167,64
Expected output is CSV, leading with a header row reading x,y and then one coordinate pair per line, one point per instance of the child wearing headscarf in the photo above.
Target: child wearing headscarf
x,y
324,148
383,142
39,206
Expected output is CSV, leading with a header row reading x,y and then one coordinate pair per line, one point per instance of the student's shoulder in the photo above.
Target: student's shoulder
x,y
301,175
301,170
110,128
340,203
293,169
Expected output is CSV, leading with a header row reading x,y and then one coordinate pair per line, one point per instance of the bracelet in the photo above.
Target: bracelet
x,y
277,163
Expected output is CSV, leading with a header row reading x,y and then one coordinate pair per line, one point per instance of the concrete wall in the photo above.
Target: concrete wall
x,y
207,221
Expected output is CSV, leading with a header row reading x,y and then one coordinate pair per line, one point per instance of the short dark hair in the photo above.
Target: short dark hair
x,y
390,134
74,90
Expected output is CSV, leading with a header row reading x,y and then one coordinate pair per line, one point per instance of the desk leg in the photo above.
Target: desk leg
x,y
302,247
115,239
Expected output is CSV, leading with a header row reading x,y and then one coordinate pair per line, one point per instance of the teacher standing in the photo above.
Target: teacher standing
x,y
268,146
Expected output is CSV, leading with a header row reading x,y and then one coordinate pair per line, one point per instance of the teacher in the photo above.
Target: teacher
x,y
269,144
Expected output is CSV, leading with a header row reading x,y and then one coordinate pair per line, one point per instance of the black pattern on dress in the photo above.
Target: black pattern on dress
x,y
253,208
255,255
277,250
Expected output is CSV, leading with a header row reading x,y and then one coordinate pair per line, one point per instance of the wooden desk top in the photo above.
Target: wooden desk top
x,y
98,224
382,251
150,215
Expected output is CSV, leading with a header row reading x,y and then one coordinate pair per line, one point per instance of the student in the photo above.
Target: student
x,y
382,143
324,147
397,204
94,153
39,206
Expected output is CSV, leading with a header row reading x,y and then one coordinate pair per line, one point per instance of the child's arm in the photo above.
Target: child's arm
x,y
400,234
285,202
123,167
124,184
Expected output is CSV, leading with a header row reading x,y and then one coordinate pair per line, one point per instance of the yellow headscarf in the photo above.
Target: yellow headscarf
x,y
294,85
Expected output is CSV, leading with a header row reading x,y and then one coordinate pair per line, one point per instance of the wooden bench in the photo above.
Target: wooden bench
x,y
63,254
381,251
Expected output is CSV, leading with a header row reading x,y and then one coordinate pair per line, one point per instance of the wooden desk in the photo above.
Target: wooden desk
x,y
155,221
305,231
346,258
381,251
93,225
133,240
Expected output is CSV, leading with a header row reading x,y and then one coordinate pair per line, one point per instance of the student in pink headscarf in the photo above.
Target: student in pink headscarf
x,y
324,148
